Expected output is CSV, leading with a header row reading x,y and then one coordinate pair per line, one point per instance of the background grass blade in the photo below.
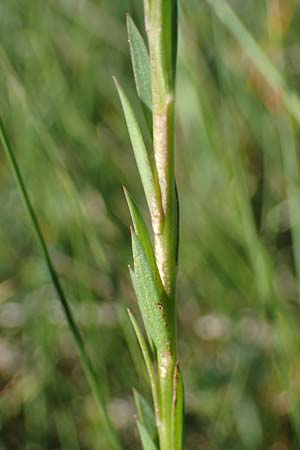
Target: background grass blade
x,y
256,55
83,355
237,168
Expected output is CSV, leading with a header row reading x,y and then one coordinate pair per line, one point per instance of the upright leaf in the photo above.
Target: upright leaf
x,y
147,442
134,284
145,353
151,298
145,413
140,153
141,230
141,68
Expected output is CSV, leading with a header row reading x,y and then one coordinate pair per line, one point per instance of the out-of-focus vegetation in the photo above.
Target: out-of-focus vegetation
x,y
238,177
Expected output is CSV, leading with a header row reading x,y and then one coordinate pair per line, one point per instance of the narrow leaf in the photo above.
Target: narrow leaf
x,y
131,341
134,284
177,409
140,229
145,353
145,414
141,68
151,299
140,152
147,442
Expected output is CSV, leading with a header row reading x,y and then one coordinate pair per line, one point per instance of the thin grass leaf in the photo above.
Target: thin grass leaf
x,y
141,229
147,442
140,152
177,409
141,68
145,414
133,281
146,355
254,52
91,376
151,298
131,341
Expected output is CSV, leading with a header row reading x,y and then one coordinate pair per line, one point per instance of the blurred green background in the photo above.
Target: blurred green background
x,y
237,168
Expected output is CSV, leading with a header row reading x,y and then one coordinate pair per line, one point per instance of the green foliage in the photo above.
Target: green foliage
x,y
257,56
147,442
163,15
145,353
91,376
151,298
145,414
141,231
178,408
141,68
237,169
140,151
155,273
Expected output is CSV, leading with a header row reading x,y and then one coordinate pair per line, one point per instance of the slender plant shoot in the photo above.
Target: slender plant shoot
x,y
155,263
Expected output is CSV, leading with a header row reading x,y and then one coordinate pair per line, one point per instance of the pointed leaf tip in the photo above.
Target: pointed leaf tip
x,y
141,231
140,152
141,68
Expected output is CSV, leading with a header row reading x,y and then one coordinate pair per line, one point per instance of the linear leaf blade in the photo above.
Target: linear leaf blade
x,y
134,284
145,353
141,68
147,442
145,413
140,229
140,151
150,297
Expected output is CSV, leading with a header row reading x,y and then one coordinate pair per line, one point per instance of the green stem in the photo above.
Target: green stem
x,y
166,374
161,20
82,352
161,27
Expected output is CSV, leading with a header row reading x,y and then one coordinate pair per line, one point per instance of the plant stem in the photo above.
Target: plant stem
x,y
161,17
161,27
166,374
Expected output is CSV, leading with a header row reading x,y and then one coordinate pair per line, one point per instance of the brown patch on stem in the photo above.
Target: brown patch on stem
x,y
175,383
